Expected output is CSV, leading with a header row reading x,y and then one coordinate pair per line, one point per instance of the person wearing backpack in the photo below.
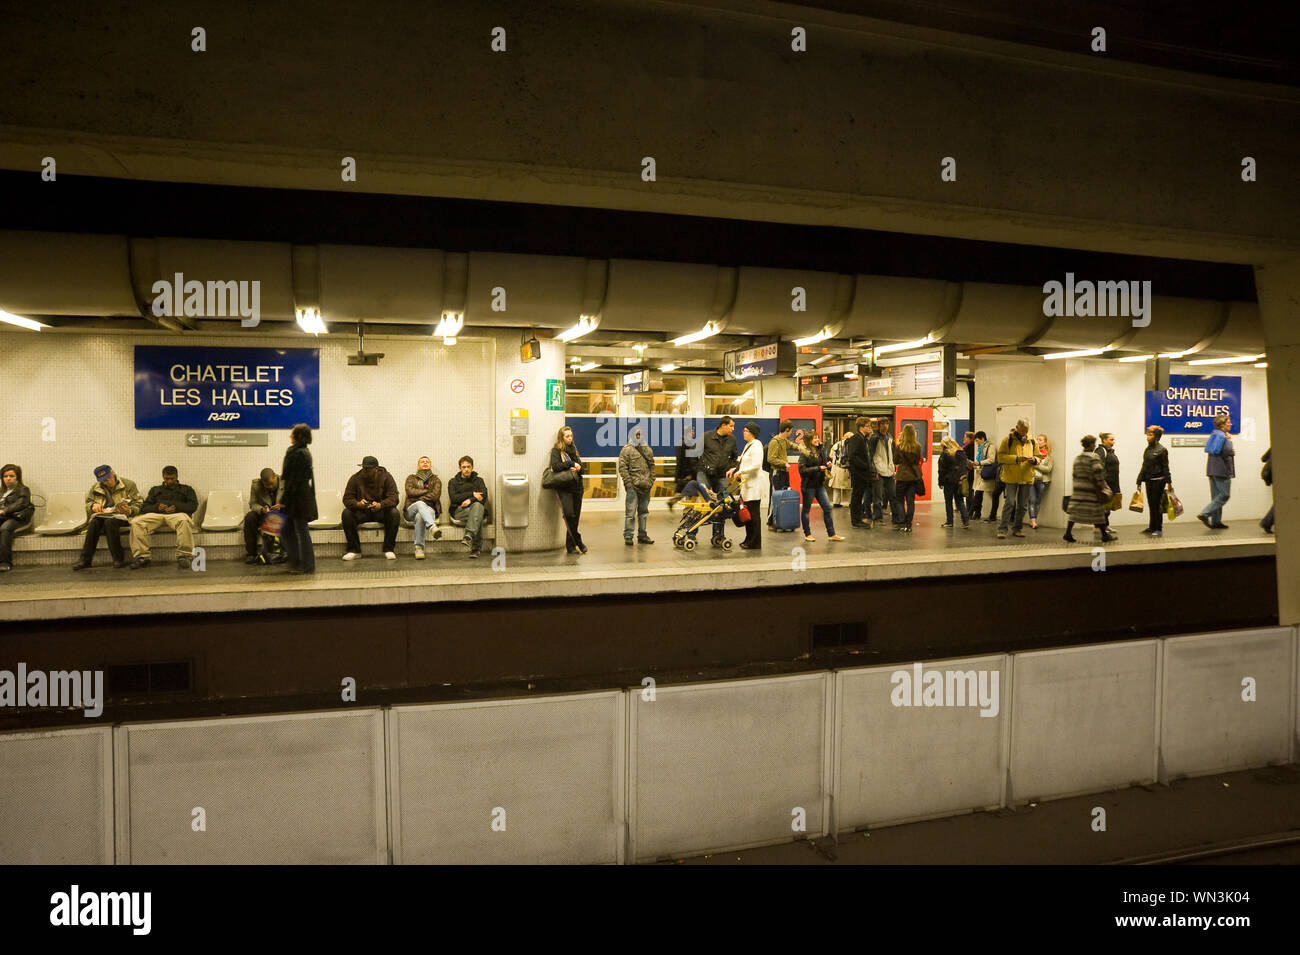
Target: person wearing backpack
x,y
1220,468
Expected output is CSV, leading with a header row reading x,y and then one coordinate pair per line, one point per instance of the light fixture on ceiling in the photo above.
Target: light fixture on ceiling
x,y
671,366
824,333
1234,360
27,323
1136,358
1262,364
1084,353
904,346
708,331
678,400
1171,354
586,324
310,321
449,327
818,361
588,366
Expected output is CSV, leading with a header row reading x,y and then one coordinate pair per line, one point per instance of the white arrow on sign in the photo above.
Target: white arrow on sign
x,y
191,439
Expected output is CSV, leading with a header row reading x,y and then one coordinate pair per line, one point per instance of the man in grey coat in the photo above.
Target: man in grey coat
x,y
636,469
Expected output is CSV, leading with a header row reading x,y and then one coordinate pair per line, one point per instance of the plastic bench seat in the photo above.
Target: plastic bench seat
x,y
225,511
65,513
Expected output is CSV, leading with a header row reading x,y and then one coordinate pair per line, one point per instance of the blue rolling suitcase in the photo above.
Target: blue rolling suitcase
x,y
785,510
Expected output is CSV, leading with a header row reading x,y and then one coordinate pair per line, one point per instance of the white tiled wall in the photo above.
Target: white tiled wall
x,y
423,398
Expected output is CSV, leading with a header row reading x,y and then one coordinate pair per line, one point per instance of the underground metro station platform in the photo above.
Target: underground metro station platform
x,y
235,639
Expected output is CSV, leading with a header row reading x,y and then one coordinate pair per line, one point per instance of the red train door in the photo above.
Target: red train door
x,y
806,418
922,419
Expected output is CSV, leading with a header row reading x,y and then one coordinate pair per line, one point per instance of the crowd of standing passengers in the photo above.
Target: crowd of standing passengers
x,y
875,471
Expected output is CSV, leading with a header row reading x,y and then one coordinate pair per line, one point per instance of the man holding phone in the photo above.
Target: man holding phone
x,y
1016,457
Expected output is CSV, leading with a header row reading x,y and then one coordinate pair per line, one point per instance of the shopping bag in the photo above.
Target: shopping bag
x,y
1174,507
1136,503
1116,501
964,488
272,523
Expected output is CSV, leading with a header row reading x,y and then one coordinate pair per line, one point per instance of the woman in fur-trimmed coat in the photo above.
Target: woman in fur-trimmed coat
x,y
1090,495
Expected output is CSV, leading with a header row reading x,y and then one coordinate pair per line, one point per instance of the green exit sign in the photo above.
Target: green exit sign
x,y
554,394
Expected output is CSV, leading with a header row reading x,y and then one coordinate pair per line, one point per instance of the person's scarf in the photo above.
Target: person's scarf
x,y
424,476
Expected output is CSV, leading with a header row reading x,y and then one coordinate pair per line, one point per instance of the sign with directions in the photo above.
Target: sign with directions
x,y
222,439
554,394
764,361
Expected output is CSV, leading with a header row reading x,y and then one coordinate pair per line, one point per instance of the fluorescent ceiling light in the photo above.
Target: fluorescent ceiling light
x,y
818,361
1136,358
1235,360
586,324
589,365
1171,354
1085,353
904,346
449,327
1262,364
310,320
820,336
28,323
679,399
708,331
671,366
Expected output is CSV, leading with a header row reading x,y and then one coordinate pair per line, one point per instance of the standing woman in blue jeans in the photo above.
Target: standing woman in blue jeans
x,y
298,502
814,466
1042,479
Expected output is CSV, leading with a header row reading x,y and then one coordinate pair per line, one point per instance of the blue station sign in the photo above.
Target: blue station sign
x,y
226,388
1190,403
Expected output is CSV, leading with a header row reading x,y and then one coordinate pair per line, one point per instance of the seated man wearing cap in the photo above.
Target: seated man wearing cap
x,y
110,504
170,504
371,495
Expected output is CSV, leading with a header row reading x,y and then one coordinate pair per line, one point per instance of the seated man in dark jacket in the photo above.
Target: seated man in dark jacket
x,y
261,498
171,504
468,498
371,495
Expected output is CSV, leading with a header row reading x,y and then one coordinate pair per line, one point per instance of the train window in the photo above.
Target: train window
x,y
672,400
591,394
729,397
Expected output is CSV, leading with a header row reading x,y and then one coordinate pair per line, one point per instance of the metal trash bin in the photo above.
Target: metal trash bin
x,y
514,500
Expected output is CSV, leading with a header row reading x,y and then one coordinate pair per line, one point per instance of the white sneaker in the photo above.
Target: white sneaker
x,y
351,555
390,555
419,553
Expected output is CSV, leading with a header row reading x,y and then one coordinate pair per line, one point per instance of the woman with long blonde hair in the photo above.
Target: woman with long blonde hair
x,y
909,482
1042,478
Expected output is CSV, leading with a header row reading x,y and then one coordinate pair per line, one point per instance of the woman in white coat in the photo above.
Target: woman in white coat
x,y
754,486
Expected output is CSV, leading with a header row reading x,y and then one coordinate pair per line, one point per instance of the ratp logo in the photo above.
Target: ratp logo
x,y
224,416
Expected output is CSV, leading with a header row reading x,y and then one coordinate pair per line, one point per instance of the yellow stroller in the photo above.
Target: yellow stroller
x,y
700,507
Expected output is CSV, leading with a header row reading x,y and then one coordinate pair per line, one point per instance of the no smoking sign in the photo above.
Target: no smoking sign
x,y
517,386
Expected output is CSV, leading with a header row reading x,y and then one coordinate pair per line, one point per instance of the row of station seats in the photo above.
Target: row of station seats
x,y
65,513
